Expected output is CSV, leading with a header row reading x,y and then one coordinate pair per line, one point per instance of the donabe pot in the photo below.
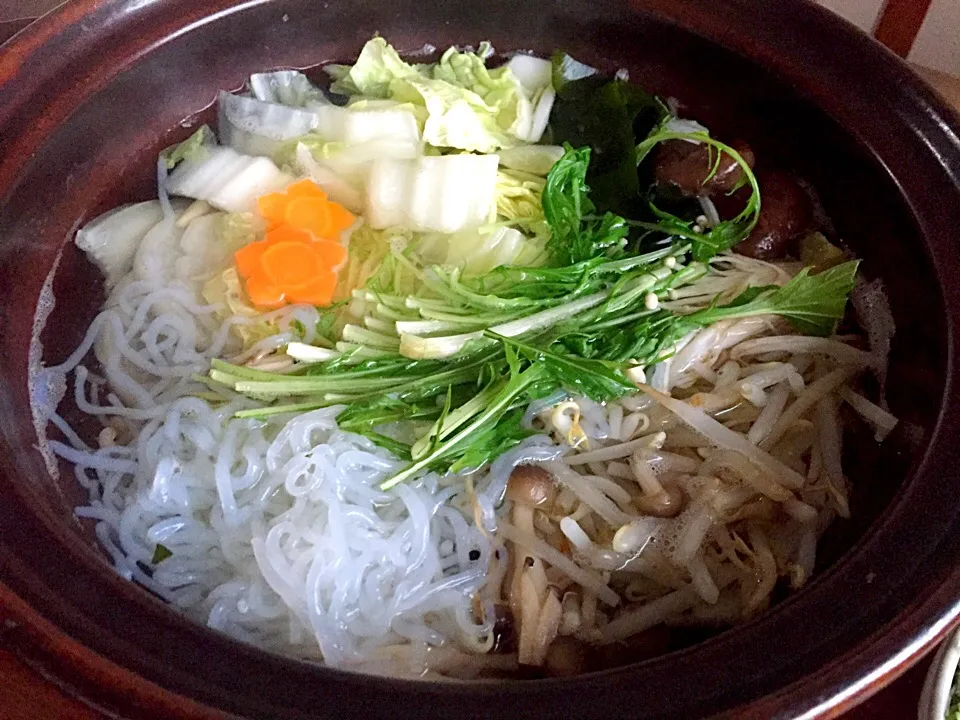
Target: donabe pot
x,y
91,93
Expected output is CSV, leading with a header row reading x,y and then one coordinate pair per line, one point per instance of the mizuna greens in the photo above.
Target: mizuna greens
x,y
487,346
464,368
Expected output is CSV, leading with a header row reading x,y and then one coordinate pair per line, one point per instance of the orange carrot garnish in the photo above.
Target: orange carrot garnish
x,y
289,266
298,259
305,205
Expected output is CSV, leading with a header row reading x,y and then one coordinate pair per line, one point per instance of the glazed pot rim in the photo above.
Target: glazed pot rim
x,y
935,127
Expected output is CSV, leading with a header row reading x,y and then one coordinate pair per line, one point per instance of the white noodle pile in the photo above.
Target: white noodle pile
x,y
280,536
278,532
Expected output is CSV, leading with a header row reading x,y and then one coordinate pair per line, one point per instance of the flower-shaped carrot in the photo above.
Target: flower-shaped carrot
x,y
290,266
304,205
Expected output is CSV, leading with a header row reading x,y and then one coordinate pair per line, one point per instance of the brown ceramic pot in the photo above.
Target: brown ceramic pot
x,y
91,93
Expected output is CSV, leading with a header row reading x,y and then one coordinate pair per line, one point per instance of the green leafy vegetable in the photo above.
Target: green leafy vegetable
x,y
595,379
286,87
637,338
455,447
477,251
587,351
609,116
565,204
723,236
819,253
160,553
468,105
518,197
812,303
193,148
456,117
469,71
953,712
606,115
531,160
492,441
377,66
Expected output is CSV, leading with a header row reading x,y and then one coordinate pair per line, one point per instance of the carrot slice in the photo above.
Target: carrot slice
x,y
272,207
340,217
287,233
298,259
264,294
248,258
304,205
333,254
319,291
290,266
306,188
311,214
